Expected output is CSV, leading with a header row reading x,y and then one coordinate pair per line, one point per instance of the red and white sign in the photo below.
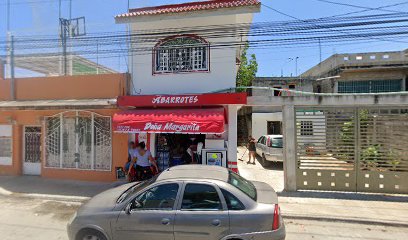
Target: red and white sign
x,y
182,100
210,120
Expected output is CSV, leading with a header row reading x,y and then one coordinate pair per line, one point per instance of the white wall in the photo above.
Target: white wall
x,y
260,123
223,68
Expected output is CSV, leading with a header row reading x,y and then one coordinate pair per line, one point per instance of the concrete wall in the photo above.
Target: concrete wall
x,y
260,122
222,61
19,119
357,59
66,87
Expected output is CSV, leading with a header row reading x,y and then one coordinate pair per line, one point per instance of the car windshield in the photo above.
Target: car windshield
x,y
135,188
277,143
242,184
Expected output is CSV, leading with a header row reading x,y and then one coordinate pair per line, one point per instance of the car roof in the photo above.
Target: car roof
x,y
194,171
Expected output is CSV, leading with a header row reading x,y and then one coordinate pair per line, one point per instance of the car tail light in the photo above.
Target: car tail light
x,y
276,216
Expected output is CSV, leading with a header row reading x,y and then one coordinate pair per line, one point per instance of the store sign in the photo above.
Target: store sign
x,y
182,100
171,127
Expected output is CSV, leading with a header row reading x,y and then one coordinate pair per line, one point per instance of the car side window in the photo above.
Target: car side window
x,y
233,202
162,197
260,140
201,197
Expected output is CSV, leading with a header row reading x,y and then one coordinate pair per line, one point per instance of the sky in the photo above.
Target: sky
x,y
40,17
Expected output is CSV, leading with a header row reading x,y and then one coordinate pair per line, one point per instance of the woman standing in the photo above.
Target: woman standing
x,y
144,162
251,149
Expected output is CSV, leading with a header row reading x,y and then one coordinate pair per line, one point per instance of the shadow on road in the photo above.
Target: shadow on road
x,y
270,165
344,196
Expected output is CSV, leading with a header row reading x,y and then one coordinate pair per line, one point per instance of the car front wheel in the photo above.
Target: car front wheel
x,y
90,234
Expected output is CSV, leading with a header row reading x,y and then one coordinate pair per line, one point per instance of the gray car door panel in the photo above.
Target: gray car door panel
x,y
154,220
193,221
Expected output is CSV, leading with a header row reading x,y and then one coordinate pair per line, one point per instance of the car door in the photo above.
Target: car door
x,y
258,146
151,214
202,213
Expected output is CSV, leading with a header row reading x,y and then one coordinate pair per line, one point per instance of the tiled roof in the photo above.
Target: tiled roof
x,y
188,7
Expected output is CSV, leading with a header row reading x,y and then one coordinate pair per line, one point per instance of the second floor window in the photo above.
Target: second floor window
x,y
181,54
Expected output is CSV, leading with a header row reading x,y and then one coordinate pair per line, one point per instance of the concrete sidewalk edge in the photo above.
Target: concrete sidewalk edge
x,y
346,220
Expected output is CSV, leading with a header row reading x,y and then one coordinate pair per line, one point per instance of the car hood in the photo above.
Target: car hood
x,y
104,201
265,193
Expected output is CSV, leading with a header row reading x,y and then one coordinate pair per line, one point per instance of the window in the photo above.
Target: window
x,y
242,184
162,197
346,58
201,197
292,86
386,56
372,57
181,54
232,202
370,86
277,142
78,139
277,92
260,139
5,144
359,57
274,127
306,128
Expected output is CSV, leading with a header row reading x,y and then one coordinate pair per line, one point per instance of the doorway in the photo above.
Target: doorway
x,y
274,127
32,150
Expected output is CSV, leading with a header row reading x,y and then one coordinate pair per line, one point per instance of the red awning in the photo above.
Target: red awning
x,y
206,120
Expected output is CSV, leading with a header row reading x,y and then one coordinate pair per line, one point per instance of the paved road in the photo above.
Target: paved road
x,y
36,219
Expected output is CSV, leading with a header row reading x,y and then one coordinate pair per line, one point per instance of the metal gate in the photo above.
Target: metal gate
x,y
352,149
32,150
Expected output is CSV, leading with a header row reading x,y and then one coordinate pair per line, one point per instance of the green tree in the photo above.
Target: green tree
x,y
247,69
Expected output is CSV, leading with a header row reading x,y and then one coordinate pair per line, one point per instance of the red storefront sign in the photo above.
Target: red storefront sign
x,y
182,100
210,120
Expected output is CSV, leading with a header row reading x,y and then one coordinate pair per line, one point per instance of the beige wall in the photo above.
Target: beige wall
x,y
34,117
66,87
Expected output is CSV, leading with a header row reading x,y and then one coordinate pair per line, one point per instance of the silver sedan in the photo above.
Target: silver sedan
x,y
184,202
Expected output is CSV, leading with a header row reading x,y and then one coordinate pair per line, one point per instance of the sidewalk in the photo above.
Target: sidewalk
x,y
37,187
369,209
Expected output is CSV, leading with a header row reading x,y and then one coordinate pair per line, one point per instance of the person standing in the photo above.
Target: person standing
x,y
251,149
144,162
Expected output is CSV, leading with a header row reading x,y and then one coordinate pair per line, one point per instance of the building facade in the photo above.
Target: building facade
x,y
372,72
178,57
268,120
60,127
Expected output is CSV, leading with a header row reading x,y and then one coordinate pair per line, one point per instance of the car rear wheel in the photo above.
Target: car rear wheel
x,y
90,234
265,162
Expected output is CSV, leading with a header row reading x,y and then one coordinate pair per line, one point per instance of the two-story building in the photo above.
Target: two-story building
x,y
179,54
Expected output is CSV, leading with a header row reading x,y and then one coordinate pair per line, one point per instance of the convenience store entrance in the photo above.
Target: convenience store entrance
x,y
178,149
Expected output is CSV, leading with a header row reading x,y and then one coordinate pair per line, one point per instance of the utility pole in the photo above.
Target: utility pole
x,y
10,65
296,66
8,15
65,30
320,51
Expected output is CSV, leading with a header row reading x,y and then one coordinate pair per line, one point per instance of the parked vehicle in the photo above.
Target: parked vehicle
x,y
270,148
184,202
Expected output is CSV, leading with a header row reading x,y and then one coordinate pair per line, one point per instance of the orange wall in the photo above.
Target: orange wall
x,y
66,87
31,117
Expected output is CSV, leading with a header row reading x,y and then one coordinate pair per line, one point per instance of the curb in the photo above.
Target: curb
x,y
346,220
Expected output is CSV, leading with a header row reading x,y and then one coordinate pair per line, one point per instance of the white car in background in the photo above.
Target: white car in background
x,y
270,149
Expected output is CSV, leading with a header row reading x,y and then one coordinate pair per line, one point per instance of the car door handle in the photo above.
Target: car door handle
x,y
165,221
216,223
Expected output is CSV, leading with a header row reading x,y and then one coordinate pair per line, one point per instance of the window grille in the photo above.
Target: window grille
x,y
78,140
5,147
371,86
182,54
306,128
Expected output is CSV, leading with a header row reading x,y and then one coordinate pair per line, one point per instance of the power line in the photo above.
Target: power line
x,y
361,7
